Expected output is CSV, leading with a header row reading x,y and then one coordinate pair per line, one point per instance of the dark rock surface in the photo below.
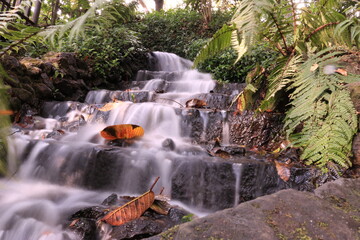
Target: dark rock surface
x,y
331,213
85,221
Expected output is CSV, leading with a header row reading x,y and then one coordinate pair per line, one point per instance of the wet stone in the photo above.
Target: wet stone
x,y
85,221
168,144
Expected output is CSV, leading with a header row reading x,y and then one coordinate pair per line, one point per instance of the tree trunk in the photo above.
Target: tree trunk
x,y
55,8
143,5
206,12
159,4
37,10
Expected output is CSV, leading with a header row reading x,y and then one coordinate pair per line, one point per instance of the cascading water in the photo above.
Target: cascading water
x,y
66,153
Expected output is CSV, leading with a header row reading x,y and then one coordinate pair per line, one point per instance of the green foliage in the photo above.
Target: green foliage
x,y
222,65
4,123
321,120
220,41
174,30
114,53
15,35
321,104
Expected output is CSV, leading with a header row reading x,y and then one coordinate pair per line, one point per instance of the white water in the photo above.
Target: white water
x,y
237,169
33,208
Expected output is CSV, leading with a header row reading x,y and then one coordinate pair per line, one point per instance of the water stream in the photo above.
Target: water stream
x,y
56,172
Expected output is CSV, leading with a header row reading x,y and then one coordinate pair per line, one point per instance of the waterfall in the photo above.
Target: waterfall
x,y
63,153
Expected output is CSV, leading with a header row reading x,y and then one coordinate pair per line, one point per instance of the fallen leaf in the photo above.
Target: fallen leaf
x,y
6,112
341,71
282,170
195,103
131,210
60,131
314,67
110,106
122,131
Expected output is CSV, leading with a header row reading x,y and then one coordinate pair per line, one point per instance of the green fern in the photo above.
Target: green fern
x,y
322,105
220,41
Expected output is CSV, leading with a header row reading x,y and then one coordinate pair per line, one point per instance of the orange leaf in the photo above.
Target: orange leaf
x,y
341,71
195,103
110,106
6,112
131,210
283,171
122,131
240,103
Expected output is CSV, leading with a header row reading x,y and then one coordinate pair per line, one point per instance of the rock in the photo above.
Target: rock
x,y
84,221
42,90
351,63
22,94
261,130
331,213
47,68
168,144
10,63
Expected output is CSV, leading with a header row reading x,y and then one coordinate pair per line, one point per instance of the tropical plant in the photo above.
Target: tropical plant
x,y
174,30
4,122
296,33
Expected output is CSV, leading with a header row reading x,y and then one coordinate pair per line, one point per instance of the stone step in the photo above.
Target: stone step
x,y
183,172
262,130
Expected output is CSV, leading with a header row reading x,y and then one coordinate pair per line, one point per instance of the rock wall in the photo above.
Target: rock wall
x,y
56,76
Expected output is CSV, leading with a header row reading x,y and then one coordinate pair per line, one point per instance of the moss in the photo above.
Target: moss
x,y
255,205
323,224
356,218
169,234
301,234
341,204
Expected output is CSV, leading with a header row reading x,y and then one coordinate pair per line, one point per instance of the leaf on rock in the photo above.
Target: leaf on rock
x,y
283,170
131,210
110,106
122,131
195,103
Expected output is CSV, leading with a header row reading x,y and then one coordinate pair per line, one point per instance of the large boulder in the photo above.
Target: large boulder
x,y
331,213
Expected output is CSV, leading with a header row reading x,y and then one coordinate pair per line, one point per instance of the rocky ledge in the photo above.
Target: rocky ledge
x,y
332,212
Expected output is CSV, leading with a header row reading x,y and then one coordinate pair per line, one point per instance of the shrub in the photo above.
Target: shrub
x,y
222,66
176,29
115,54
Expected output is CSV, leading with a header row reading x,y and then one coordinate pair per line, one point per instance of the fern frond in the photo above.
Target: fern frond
x,y
323,106
221,40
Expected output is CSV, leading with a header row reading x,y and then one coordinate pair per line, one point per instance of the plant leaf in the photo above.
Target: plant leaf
x,y
131,210
122,131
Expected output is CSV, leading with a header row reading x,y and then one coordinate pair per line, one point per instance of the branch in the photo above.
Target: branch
x,y
277,45
319,29
279,29
14,44
293,7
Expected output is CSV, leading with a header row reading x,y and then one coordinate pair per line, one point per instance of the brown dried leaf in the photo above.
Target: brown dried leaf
x,y
240,103
131,210
122,131
195,103
283,170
